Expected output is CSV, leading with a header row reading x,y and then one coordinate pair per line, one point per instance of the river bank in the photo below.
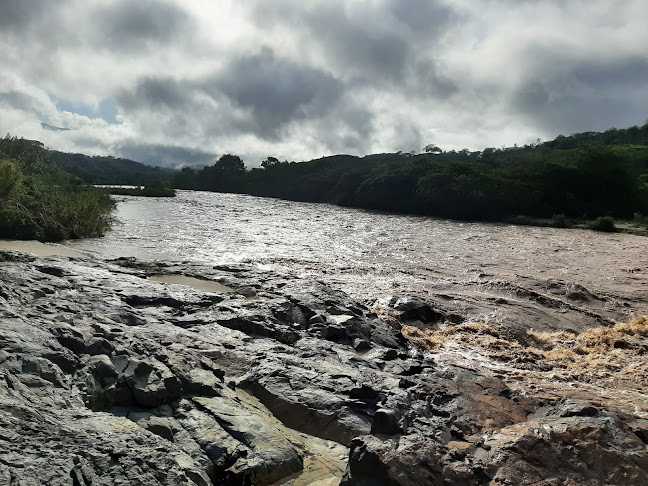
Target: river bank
x,y
111,377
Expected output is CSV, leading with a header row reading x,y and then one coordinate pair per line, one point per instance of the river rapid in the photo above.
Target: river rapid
x,y
514,275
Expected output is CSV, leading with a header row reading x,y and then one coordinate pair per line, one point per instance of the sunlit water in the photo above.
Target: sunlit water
x,y
366,253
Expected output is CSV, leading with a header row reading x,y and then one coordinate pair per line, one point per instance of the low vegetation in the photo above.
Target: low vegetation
x,y
39,201
155,188
604,224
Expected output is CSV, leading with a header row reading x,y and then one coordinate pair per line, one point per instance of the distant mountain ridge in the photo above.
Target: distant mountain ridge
x,y
53,128
108,169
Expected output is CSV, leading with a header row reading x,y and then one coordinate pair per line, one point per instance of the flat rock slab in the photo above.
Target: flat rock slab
x,y
107,377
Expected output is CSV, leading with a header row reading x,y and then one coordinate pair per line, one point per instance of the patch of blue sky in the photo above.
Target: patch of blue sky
x,y
107,109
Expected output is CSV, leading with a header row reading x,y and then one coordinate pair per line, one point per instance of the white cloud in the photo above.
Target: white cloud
x,y
194,79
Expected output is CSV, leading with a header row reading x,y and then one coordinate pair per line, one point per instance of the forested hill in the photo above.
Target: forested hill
x,y
584,176
109,170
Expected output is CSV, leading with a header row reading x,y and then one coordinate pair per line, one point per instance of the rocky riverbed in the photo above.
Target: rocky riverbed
x,y
108,376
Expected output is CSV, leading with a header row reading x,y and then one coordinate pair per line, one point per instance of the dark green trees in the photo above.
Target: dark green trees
x,y
226,175
577,176
10,178
40,201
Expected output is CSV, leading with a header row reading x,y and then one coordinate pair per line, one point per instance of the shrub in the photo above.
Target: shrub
x,y
560,221
604,224
39,201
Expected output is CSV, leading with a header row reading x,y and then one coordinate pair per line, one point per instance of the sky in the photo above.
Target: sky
x,y
181,82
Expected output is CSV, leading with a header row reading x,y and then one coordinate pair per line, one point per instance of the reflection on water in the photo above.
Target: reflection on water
x,y
366,253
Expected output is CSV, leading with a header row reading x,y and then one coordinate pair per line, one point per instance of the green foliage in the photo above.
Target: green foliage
x,y
44,202
560,221
226,175
185,179
10,178
604,224
576,177
156,188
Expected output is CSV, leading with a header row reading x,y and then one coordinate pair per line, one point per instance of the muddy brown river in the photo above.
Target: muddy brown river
x,y
518,276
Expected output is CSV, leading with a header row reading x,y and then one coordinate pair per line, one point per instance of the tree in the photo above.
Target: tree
x,y
185,179
270,161
230,165
432,149
10,177
226,175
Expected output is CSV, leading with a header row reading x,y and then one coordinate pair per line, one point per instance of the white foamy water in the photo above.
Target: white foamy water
x,y
372,255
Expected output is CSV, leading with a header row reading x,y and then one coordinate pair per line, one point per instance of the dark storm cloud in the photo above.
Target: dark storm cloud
x,y
278,91
428,17
156,93
129,25
428,81
591,94
531,97
16,14
356,45
165,155
348,129
354,77
390,45
604,75
587,114
20,101
375,53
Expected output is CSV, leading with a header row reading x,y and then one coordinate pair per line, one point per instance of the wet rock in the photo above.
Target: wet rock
x,y
640,429
408,310
361,345
110,378
386,422
574,450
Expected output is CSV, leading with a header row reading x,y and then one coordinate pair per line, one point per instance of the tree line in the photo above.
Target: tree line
x,y
583,176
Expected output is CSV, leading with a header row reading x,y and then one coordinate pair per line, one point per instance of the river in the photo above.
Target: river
x,y
516,275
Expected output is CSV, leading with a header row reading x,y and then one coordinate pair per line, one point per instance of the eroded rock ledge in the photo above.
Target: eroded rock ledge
x,y
108,378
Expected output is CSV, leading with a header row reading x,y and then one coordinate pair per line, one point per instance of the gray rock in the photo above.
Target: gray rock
x,y
109,378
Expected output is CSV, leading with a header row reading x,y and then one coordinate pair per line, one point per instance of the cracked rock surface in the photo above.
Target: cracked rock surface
x,y
108,378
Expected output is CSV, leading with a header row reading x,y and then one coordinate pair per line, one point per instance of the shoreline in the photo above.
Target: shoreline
x,y
40,249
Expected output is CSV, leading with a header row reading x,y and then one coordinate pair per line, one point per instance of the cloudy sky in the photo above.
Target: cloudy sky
x,y
180,82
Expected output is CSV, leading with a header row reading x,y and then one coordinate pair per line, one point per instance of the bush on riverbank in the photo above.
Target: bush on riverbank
x,y
156,188
604,224
39,201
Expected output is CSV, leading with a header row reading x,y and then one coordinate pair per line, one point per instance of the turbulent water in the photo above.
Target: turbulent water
x,y
491,271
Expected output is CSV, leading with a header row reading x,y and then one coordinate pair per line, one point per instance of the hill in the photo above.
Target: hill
x,y
108,170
